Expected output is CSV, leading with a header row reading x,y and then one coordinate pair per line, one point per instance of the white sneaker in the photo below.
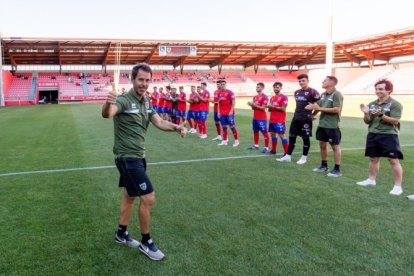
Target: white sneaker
x,y
218,137
410,197
397,190
236,143
203,136
366,183
192,130
223,143
302,160
285,159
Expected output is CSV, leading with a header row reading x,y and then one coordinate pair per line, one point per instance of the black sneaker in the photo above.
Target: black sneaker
x,y
271,152
151,251
320,169
126,239
334,173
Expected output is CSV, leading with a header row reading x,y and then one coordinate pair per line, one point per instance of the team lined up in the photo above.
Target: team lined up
x,y
172,106
309,103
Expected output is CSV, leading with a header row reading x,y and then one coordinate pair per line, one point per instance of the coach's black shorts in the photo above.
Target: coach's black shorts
x,y
383,145
330,135
133,176
300,128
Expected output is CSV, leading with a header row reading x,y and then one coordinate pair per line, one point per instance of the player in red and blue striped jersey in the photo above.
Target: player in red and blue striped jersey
x,y
226,110
192,110
259,122
161,102
154,96
167,103
204,106
182,105
277,121
215,101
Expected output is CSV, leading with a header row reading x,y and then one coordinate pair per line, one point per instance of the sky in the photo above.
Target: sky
x,y
229,20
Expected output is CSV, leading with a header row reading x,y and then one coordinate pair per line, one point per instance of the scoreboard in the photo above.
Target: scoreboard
x,y
177,51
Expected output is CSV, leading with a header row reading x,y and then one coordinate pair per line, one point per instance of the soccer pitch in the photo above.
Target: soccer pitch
x,y
225,211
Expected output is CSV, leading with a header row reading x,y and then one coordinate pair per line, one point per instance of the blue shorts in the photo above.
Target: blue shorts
x,y
160,110
216,118
181,113
197,115
203,116
259,125
279,128
167,110
191,115
227,120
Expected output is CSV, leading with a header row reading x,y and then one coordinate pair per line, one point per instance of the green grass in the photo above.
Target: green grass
x,y
242,216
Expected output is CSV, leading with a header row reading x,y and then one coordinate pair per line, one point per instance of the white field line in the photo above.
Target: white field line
x,y
161,163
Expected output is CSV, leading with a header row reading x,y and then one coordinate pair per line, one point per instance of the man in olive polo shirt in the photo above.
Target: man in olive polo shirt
x,y
330,107
383,119
132,113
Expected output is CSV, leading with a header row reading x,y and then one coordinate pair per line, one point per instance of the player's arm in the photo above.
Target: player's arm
x,y
109,108
203,99
259,107
168,126
393,118
231,112
278,108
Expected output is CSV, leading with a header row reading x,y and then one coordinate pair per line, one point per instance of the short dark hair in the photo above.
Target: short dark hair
x,y
221,81
332,78
204,83
303,76
388,84
278,83
261,84
140,66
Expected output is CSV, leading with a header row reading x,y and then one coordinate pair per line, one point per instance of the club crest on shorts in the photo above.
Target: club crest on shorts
x,y
143,186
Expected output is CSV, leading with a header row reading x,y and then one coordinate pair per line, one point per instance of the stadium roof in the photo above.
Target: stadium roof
x,y
70,51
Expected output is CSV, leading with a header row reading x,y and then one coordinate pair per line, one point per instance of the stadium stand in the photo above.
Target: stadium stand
x,y
19,90
94,86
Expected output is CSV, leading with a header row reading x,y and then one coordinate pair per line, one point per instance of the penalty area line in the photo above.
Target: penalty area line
x,y
161,163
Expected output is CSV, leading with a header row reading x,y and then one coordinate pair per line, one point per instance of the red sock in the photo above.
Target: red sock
x,y
266,139
285,144
218,129
190,123
225,134
256,138
274,145
202,128
178,121
205,128
235,133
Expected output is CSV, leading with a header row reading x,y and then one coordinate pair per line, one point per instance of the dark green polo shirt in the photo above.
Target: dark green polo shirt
x,y
334,99
131,123
390,108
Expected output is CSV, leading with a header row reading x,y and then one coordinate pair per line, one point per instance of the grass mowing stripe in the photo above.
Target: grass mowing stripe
x,y
162,163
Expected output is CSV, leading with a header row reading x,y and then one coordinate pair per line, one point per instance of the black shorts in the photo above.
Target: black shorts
x,y
300,128
383,145
330,135
133,176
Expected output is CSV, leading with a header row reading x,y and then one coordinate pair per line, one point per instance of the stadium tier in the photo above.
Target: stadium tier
x,y
24,88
